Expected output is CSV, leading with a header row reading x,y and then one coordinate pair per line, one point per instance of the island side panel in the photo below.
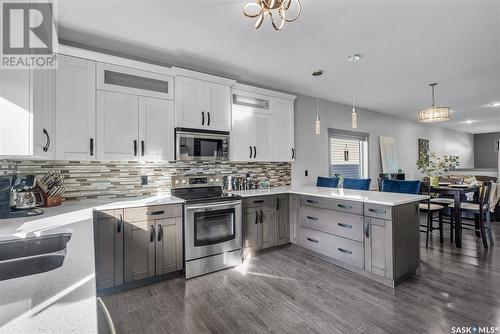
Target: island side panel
x,y
406,241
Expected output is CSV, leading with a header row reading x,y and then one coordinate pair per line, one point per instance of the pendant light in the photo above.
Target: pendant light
x,y
354,116
434,113
317,73
276,9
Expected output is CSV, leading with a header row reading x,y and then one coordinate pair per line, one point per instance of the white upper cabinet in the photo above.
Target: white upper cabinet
x,y
190,110
262,125
156,129
283,148
202,101
27,113
218,106
44,113
75,109
134,81
117,126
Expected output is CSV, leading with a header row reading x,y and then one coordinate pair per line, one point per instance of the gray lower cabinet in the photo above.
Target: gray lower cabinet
x,y
282,233
109,232
139,250
137,243
378,246
259,224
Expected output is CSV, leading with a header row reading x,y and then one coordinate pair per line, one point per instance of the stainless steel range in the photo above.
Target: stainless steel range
x,y
212,224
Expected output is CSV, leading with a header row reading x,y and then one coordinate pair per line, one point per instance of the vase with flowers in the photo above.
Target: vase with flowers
x,y
434,166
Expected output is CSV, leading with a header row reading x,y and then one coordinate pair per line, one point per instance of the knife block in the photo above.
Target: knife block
x,y
48,201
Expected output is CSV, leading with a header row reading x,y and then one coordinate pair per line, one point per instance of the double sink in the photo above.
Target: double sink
x,y
33,254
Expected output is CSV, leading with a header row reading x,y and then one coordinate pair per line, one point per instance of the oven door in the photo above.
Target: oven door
x,y
213,228
206,145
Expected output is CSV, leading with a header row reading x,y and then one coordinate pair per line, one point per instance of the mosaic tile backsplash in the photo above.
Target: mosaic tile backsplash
x,y
105,179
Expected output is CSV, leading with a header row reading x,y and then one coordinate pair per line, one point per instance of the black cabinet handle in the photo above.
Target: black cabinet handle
x,y
160,232
261,216
202,118
119,224
258,201
367,228
377,211
344,250
155,213
293,153
344,206
312,240
135,148
91,146
47,144
312,218
256,217
142,147
277,204
254,152
344,225
311,201
208,121
250,151
152,234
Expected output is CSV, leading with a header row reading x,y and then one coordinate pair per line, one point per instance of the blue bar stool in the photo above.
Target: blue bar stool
x,y
330,182
358,184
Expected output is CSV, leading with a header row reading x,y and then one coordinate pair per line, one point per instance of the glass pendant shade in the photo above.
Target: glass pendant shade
x,y
318,126
354,116
434,113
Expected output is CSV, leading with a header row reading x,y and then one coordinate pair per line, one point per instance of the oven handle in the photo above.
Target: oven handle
x,y
215,205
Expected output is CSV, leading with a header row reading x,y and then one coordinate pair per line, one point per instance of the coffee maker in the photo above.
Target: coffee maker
x,y
18,197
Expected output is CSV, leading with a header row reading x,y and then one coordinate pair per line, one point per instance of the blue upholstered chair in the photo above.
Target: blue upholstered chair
x,y
331,182
358,184
402,187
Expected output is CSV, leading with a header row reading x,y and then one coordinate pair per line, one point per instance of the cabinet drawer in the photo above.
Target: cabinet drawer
x,y
152,212
341,249
333,204
339,223
258,201
378,211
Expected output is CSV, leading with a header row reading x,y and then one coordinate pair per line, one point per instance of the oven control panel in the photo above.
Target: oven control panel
x,y
193,181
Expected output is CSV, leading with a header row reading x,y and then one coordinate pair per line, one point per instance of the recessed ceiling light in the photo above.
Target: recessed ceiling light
x,y
494,104
354,58
317,73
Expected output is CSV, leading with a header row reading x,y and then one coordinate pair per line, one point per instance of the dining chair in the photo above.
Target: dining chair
x,y
400,186
330,182
481,212
357,184
431,209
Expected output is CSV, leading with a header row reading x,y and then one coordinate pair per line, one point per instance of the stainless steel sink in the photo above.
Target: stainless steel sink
x,y
22,247
32,255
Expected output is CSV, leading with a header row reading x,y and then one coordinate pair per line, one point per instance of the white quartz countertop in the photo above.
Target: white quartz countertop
x,y
374,197
62,300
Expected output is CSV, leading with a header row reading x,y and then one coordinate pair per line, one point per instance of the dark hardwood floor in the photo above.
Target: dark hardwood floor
x,y
286,291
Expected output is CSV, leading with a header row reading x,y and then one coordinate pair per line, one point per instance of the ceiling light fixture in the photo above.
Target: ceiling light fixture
x,y
317,124
278,7
434,113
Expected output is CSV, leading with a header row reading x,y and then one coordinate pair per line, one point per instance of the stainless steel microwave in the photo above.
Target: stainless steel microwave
x,y
197,144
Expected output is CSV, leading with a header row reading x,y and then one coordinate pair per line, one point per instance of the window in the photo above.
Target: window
x,y
348,153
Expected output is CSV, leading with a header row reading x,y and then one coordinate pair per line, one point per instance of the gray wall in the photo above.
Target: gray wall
x,y
312,149
484,150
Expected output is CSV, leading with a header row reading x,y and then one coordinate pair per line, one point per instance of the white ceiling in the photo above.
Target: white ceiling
x,y
405,46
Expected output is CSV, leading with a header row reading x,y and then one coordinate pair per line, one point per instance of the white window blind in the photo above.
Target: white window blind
x,y
344,151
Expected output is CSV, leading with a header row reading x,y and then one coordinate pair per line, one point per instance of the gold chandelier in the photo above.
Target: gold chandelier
x,y
434,113
263,7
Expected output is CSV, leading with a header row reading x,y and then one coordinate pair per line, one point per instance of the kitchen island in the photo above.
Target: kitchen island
x,y
374,234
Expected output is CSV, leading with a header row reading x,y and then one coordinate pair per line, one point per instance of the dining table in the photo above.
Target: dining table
x,y
457,192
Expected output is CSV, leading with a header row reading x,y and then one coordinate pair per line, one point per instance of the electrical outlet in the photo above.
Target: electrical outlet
x,y
306,172
144,180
